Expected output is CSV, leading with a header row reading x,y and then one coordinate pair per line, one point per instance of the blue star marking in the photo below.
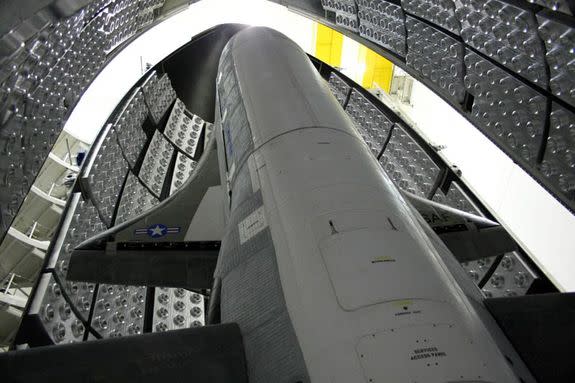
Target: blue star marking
x,y
158,230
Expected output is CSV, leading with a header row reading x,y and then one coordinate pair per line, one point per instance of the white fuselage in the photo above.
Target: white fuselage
x,y
368,295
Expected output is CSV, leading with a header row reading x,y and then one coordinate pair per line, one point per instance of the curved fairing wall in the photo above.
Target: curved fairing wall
x,y
505,65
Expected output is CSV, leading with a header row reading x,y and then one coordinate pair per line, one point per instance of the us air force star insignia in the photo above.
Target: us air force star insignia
x,y
157,230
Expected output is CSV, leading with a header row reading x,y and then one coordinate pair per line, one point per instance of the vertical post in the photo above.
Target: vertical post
x,y
69,152
9,283
33,229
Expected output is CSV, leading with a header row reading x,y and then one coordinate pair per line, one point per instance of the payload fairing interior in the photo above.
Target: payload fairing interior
x,y
248,213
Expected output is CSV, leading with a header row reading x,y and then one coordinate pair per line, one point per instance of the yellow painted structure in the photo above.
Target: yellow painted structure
x,y
329,48
328,45
378,70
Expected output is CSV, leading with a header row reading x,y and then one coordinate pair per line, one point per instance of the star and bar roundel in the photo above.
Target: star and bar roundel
x,y
157,230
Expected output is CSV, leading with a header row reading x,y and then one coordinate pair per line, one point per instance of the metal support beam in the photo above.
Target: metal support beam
x,y
542,330
168,264
203,354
